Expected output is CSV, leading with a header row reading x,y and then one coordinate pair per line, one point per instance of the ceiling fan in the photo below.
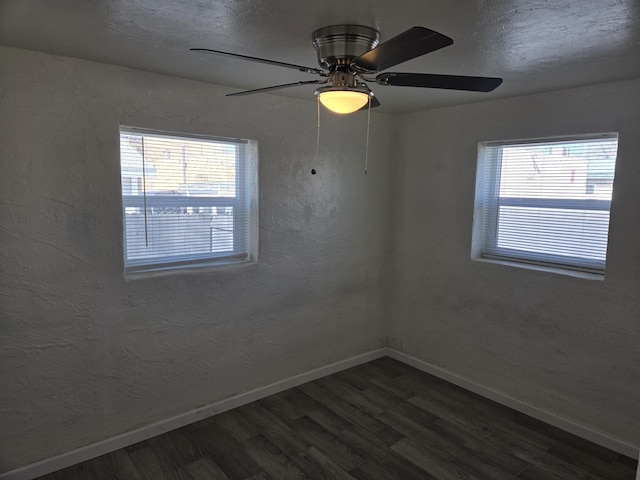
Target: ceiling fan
x,y
350,54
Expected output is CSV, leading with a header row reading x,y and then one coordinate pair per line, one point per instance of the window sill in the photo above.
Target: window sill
x,y
543,268
200,268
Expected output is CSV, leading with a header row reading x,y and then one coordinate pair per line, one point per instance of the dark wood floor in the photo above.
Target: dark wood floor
x,y
381,420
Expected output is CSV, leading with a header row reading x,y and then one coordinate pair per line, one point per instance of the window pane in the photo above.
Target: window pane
x,y
579,170
554,231
176,232
174,166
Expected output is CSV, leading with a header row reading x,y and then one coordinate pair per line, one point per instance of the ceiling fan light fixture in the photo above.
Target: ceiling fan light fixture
x,y
343,100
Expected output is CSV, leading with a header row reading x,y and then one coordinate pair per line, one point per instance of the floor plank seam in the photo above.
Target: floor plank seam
x,y
517,475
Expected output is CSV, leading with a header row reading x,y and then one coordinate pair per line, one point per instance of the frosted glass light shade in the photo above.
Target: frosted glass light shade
x,y
343,101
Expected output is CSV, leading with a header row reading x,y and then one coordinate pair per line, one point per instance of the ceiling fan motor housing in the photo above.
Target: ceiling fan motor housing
x,y
339,45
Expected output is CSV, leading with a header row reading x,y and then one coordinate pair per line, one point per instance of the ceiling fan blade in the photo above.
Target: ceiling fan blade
x,y
449,82
275,87
300,68
409,44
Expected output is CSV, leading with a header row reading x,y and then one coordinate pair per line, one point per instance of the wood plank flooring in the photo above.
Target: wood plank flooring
x,y
382,420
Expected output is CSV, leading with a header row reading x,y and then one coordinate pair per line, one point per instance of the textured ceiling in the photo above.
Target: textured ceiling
x,y
535,45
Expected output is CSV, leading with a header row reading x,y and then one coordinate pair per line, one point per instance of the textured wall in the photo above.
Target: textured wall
x,y
86,355
565,344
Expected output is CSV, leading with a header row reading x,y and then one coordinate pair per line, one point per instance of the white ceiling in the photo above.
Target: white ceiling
x,y
535,45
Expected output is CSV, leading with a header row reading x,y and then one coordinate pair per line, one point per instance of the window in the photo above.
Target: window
x,y
186,200
546,201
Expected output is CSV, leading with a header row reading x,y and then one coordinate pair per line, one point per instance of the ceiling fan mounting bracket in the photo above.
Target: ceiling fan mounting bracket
x,y
339,45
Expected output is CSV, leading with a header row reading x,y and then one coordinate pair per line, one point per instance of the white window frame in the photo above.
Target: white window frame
x,y
487,210
244,207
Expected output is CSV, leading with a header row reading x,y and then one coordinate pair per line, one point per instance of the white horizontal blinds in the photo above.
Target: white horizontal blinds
x,y
183,200
548,202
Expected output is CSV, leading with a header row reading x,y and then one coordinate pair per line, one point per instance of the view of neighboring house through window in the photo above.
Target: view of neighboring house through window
x,y
546,201
186,200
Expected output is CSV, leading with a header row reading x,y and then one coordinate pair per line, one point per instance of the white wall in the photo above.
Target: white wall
x,y
567,345
86,355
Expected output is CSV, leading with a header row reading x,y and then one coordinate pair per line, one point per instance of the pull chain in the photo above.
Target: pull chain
x,y
366,151
318,131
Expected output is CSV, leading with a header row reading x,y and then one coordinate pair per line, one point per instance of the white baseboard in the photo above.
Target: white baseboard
x,y
570,426
129,438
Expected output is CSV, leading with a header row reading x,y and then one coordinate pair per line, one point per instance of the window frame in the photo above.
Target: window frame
x,y
485,225
243,205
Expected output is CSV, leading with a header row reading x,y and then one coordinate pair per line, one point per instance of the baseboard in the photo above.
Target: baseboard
x,y
129,438
570,426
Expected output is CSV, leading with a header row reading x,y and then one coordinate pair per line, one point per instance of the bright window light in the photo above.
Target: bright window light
x,y
186,201
546,201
